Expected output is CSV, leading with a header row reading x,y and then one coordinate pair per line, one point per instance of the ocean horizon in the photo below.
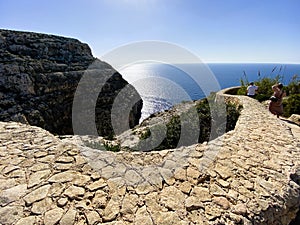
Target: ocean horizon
x,y
163,85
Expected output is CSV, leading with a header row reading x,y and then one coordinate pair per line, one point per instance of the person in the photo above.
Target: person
x,y
276,107
251,90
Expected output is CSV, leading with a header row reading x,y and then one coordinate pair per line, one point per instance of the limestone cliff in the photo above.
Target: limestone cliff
x,y
39,74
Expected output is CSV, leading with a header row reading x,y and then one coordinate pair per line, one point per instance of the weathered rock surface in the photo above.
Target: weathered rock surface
x,y
247,176
295,118
39,75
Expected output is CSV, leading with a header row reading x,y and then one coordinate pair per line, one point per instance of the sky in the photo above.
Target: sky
x,y
214,30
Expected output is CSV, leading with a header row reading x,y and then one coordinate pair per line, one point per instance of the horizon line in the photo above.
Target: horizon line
x,y
270,62
249,62
228,62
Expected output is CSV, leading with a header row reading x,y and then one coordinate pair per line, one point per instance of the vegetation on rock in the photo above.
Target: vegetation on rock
x,y
104,146
208,116
291,103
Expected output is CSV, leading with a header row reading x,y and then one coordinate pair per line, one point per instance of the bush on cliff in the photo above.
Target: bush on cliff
x,y
106,146
264,87
291,103
206,114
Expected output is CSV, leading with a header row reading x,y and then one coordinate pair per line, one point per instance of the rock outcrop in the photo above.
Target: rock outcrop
x,y
184,124
295,119
39,75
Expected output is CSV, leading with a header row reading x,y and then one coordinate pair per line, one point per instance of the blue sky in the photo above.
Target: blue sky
x,y
215,30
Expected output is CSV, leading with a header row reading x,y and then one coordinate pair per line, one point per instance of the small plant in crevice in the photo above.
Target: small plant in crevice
x,y
112,147
102,146
145,134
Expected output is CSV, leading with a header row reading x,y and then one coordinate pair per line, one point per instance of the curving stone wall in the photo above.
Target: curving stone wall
x,y
247,176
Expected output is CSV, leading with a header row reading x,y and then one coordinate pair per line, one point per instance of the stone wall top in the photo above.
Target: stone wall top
x,y
247,176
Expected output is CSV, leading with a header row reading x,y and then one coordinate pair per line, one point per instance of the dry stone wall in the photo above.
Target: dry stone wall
x,y
247,176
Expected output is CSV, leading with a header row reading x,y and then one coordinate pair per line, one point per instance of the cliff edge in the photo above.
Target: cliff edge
x,y
39,74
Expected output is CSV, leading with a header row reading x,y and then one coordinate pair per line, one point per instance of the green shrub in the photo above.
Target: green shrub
x,y
294,86
242,90
206,117
173,134
145,134
264,87
291,105
244,83
112,147
233,113
101,146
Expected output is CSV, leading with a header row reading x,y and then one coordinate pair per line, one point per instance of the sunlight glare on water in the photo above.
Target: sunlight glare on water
x,y
160,86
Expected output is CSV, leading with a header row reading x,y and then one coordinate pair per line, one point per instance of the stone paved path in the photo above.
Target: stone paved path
x,y
247,176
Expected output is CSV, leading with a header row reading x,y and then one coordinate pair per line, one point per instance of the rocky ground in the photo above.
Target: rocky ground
x,y
247,176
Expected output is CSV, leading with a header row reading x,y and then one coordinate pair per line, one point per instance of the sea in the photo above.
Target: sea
x,y
163,85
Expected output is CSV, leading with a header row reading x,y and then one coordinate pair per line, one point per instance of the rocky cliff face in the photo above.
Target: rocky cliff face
x,y
39,75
